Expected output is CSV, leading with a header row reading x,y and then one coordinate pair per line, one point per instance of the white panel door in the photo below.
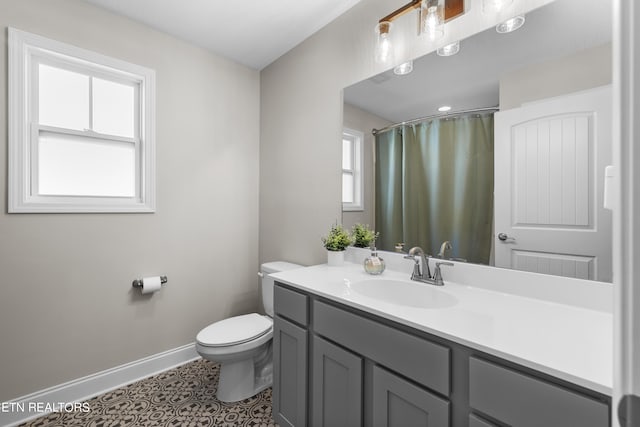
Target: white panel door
x,y
550,158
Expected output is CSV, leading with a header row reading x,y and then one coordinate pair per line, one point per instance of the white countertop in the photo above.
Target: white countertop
x,y
570,342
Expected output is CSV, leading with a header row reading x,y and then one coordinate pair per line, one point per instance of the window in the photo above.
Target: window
x,y
81,130
352,170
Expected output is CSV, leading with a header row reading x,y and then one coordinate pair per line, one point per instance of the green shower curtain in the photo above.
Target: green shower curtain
x,y
434,182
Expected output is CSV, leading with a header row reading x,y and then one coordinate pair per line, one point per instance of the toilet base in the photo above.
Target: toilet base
x,y
245,378
238,382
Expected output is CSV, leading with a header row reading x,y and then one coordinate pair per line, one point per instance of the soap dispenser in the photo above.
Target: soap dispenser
x,y
373,264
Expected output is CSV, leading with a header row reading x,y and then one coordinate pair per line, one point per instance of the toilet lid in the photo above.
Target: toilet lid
x,y
235,330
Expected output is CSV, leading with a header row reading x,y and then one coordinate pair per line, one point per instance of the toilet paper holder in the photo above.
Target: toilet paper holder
x,y
138,282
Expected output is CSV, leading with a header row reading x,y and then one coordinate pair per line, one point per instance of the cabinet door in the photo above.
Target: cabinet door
x,y
337,386
399,403
289,374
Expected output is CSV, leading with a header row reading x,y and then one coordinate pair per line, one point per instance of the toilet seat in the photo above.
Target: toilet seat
x,y
235,330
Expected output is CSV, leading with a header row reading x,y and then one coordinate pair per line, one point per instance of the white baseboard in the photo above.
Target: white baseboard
x,y
30,406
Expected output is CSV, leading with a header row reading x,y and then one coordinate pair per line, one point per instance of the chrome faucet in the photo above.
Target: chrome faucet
x,y
424,275
437,274
417,274
446,245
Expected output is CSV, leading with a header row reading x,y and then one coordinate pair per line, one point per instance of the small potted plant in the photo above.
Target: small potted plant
x,y
363,236
335,243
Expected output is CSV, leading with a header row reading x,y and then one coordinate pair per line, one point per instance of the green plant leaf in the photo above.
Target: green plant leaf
x,y
337,239
363,236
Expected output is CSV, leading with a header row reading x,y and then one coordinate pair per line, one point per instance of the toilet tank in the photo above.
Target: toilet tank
x,y
267,282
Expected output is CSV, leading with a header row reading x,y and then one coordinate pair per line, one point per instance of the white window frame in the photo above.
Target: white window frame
x,y
26,51
357,139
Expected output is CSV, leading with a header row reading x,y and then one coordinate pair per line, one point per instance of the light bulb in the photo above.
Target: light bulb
x,y
510,24
433,18
384,47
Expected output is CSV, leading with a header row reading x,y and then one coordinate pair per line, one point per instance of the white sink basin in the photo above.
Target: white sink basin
x,y
400,292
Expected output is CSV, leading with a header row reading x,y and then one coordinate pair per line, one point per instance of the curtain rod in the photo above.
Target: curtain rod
x,y
435,116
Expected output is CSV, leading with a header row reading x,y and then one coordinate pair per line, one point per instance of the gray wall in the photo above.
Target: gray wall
x,y
67,308
581,71
357,119
301,120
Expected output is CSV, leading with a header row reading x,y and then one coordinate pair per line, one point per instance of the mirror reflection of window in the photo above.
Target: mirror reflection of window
x,y
352,199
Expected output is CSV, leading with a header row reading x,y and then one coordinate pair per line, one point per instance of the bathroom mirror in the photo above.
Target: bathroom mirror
x,y
532,191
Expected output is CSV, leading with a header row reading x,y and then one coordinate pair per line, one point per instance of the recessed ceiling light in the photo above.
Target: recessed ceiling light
x,y
510,24
444,108
404,68
448,50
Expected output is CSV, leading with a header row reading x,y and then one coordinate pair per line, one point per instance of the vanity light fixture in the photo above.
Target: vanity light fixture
x,y
403,69
432,18
510,24
444,108
384,47
433,14
449,50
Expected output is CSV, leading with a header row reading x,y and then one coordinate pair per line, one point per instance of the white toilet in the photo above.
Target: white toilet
x,y
242,344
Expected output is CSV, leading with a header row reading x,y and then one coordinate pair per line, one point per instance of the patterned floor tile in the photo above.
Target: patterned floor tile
x,y
184,397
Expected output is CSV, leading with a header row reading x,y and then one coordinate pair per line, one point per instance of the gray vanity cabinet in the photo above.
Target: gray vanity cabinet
x,y
290,351
338,366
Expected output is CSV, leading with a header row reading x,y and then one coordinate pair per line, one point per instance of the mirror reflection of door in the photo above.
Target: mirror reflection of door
x,y
549,184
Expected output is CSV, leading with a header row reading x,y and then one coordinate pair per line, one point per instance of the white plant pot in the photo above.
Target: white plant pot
x,y
335,258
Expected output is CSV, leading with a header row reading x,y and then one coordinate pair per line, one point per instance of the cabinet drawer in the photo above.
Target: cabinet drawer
x,y
290,304
524,401
424,362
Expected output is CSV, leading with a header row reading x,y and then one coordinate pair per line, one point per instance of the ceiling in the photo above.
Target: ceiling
x,y
252,33
470,79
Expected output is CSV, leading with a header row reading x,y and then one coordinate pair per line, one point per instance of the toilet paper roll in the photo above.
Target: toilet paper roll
x,y
151,284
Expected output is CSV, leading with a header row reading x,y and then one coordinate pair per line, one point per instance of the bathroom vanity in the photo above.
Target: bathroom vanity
x,y
344,355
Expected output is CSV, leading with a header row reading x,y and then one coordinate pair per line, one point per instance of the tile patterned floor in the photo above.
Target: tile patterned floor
x,y
184,396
